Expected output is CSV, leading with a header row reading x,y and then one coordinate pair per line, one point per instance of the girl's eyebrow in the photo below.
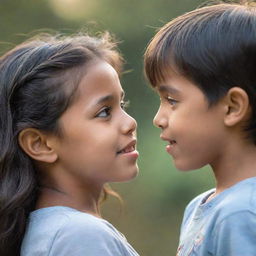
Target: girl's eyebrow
x,y
107,98
104,99
168,88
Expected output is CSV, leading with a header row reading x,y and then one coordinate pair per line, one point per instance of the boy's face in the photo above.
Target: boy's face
x,y
194,131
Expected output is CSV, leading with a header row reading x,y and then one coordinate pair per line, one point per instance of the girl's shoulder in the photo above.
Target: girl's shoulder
x,y
59,229
61,217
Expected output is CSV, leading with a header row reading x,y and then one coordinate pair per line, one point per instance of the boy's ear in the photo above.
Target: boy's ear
x,y
37,146
237,106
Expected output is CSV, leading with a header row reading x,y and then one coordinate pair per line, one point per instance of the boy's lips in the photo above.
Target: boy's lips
x,y
170,146
171,141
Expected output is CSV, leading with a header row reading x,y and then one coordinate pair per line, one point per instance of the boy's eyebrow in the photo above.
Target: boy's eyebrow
x,y
168,88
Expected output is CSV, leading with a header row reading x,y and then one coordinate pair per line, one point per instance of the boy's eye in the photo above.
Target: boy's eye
x,y
172,101
105,112
124,104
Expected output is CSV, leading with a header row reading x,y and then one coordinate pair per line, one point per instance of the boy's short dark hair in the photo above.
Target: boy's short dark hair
x,y
214,47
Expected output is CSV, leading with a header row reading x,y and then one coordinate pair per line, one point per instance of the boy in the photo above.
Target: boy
x,y
203,66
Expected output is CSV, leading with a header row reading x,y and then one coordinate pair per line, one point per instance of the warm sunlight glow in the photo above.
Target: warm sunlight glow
x,y
73,9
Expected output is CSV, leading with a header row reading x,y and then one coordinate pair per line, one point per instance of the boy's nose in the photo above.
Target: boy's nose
x,y
159,120
129,124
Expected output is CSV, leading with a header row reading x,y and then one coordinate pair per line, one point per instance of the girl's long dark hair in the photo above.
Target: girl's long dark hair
x,y
37,81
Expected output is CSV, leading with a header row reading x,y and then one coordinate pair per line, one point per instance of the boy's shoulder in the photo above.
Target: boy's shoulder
x,y
237,198
199,199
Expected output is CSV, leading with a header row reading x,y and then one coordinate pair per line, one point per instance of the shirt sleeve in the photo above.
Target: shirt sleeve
x,y
236,235
88,239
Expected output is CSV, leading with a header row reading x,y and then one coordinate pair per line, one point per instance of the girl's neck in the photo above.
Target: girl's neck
x,y
85,201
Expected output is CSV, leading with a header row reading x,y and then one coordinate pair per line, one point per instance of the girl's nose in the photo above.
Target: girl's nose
x,y
159,120
129,124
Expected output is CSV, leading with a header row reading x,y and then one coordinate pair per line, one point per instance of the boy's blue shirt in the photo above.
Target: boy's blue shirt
x,y
224,226
63,231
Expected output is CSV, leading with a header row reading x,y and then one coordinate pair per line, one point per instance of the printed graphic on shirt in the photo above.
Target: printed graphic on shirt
x,y
191,244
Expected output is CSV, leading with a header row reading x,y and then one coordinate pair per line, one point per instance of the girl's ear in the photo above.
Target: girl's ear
x,y
237,106
37,146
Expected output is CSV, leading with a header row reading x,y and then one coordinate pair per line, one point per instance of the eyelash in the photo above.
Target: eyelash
x,y
106,110
123,104
171,101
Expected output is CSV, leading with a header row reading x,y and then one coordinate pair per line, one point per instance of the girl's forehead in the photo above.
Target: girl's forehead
x,y
99,78
99,70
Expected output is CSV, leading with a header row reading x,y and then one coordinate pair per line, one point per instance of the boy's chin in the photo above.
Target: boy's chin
x,y
186,167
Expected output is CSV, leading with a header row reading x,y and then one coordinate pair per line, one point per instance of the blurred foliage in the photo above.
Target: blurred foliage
x,y
155,200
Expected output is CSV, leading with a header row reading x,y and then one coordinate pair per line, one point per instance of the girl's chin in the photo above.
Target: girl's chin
x,y
132,175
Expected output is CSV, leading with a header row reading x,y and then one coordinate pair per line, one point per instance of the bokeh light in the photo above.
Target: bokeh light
x,y
73,9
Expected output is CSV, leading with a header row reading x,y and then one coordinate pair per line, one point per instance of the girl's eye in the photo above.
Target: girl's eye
x,y
124,104
104,112
172,101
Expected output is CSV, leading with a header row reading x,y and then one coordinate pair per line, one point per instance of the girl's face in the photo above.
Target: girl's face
x,y
98,137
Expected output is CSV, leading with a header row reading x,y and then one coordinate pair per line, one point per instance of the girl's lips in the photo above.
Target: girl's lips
x,y
127,150
133,154
130,147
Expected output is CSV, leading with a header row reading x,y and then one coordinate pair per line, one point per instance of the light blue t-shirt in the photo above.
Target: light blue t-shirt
x,y
224,226
64,231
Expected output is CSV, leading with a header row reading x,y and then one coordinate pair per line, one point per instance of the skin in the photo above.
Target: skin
x,y
95,128
198,134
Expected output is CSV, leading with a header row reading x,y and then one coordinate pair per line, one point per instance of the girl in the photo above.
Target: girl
x,y
64,134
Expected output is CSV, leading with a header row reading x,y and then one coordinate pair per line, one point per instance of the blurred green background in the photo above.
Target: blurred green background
x,y
155,200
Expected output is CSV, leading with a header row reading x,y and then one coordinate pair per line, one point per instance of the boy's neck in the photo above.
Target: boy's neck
x,y
237,163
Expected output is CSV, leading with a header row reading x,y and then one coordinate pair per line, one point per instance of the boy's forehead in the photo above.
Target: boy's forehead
x,y
169,82
167,88
176,84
